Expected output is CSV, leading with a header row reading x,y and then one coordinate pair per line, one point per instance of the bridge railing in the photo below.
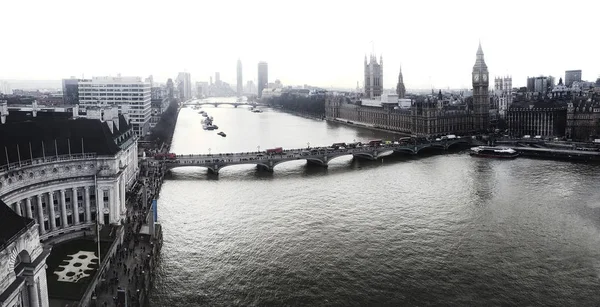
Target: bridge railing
x,y
319,150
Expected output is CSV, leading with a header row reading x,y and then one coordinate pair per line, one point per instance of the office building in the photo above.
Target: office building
x,y
130,94
170,89
184,85
240,82
572,76
70,88
250,87
5,88
159,104
263,77
202,89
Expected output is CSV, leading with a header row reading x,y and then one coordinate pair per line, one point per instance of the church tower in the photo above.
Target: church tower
x,y
400,89
481,100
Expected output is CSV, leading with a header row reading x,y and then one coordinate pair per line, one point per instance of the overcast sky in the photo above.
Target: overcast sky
x,y
320,43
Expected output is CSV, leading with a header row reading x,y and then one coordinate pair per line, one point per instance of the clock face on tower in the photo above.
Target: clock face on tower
x,y
475,78
484,77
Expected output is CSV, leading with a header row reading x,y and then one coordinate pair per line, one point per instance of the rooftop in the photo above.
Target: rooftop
x,y
47,136
10,224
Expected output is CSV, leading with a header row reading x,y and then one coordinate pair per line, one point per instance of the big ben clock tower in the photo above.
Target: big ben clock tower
x,y
481,99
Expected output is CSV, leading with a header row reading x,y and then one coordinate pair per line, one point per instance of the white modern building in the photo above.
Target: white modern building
x,y
5,88
130,94
184,84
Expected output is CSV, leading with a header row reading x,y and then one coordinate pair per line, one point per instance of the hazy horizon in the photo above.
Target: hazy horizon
x,y
316,43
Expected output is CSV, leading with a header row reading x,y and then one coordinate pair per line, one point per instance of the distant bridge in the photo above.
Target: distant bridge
x,y
218,103
319,156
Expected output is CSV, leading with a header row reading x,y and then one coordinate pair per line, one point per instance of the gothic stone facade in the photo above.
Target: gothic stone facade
x,y
583,120
422,119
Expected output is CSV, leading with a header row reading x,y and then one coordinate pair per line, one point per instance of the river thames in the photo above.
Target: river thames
x,y
444,229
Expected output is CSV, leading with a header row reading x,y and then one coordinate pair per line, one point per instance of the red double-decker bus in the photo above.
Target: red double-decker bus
x,y
276,150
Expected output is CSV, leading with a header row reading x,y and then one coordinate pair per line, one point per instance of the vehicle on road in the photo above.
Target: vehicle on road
x,y
339,145
276,150
165,156
375,142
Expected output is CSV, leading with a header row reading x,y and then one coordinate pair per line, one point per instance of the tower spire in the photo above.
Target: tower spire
x,y
400,88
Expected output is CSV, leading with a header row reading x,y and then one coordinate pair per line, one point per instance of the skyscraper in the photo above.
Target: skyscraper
x,y
240,84
572,76
481,100
218,78
263,77
184,85
373,77
70,88
400,89
170,88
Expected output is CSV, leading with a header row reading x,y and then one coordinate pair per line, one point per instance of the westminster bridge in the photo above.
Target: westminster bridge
x,y
313,155
218,103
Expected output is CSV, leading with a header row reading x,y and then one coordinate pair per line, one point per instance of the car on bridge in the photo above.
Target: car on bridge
x,y
339,145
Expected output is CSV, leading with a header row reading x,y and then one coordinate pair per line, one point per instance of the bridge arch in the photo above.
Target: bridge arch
x,y
457,144
434,147
364,155
329,158
405,150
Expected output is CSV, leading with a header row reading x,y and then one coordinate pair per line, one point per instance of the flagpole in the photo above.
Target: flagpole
x,y
6,152
69,144
43,151
55,148
82,150
19,155
30,152
97,218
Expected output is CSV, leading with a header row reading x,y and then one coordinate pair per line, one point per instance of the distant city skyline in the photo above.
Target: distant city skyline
x,y
434,41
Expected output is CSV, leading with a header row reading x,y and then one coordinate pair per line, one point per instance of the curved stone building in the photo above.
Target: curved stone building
x,y
22,261
66,173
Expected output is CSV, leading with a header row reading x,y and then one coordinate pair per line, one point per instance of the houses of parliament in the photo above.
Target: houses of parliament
x,y
422,116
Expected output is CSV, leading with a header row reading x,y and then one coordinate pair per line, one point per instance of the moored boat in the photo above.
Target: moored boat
x,y
222,134
494,152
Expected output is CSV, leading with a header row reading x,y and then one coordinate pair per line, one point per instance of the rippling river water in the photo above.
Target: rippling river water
x,y
438,230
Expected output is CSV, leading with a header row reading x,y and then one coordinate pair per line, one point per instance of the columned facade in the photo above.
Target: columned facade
x,y
67,198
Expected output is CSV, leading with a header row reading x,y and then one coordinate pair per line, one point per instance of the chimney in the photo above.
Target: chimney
x,y
3,111
125,112
108,117
115,117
